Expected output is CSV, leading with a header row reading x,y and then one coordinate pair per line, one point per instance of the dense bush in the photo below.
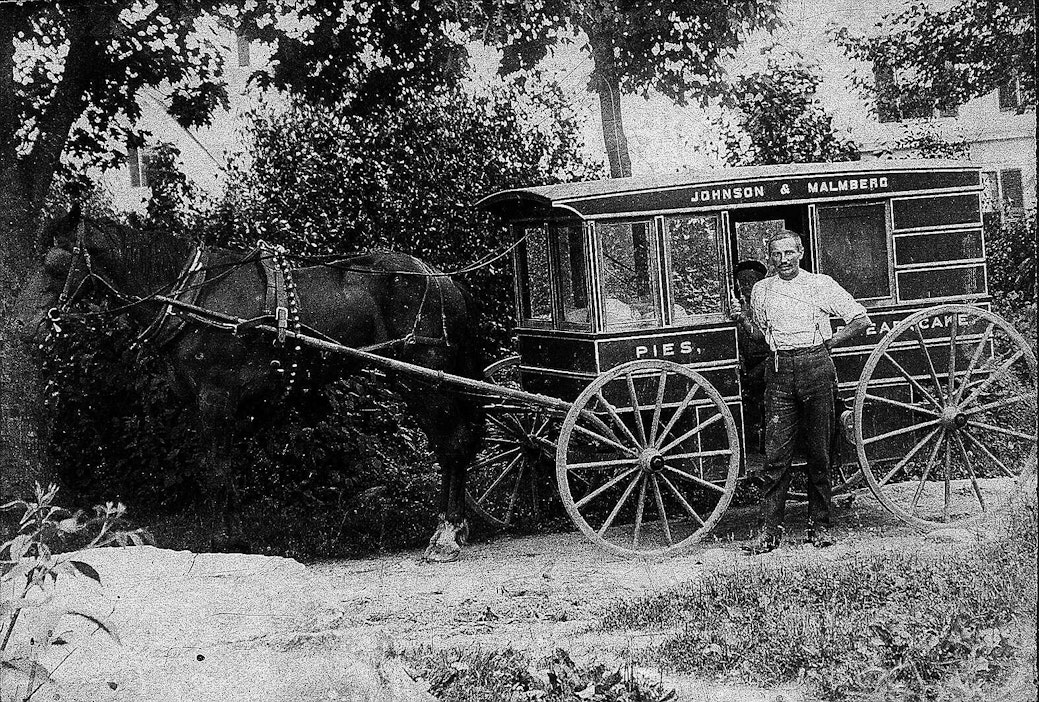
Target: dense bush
x,y
318,181
1010,245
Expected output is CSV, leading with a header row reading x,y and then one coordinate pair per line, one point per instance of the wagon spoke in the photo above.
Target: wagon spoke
x,y
970,469
617,508
691,433
655,424
980,446
912,381
604,428
604,487
663,512
996,375
1001,430
930,363
513,497
1002,403
952,353
903,405
974,361
927,471
898,432
497,481
678,413
693,478
681,499
948,479
612,411
635,408
494,459
599,437
640,509
700,454
613,463
908,457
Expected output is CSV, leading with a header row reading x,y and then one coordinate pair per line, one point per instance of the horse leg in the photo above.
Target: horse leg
x,y
453,425
216,410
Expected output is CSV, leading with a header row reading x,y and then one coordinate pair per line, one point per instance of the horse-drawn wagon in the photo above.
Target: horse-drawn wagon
x,y
626,292
631,375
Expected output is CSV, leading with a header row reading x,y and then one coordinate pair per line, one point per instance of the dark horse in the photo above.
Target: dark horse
x,y
389,302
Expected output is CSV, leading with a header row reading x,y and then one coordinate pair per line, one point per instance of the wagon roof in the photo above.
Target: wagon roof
x,y
677,191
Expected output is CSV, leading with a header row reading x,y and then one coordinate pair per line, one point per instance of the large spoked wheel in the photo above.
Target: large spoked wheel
x,y
510,485
647,459
945,415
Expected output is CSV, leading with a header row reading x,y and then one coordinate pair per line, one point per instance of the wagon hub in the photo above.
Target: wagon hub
x,y
651,461
952,417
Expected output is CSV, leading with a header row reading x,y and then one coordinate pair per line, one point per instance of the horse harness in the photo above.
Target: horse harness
x,y
281,305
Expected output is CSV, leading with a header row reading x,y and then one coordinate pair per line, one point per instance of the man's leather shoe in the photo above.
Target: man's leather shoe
x,y
820,537
763,544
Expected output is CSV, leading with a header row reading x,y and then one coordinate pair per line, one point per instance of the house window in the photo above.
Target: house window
x,y
1010,95
243,50
1003,193
899,98
140,161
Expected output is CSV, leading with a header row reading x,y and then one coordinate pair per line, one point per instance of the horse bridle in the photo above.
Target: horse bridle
x,y
68,295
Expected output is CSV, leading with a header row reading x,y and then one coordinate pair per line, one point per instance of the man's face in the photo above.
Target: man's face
x,y
785,254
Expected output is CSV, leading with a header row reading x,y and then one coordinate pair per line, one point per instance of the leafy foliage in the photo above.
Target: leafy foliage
x,y
780,120
490,676
1010,245
30,566
946,57
323,181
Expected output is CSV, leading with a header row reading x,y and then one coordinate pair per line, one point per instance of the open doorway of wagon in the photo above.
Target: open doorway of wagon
x,y
750,228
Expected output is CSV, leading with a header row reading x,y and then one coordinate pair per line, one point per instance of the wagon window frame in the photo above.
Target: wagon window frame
x,y
721,277
888,241
523,231
653,255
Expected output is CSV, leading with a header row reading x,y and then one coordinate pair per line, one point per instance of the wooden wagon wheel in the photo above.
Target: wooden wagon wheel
x,y
947,439
651,480
510,483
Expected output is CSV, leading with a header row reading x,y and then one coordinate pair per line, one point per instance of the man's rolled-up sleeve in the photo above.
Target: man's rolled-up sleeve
x,y
839,302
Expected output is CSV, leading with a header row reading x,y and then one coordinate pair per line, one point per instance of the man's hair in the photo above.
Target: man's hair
x,y
779,236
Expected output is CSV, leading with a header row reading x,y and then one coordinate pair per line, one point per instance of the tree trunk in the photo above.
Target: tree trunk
x,y
22,455
613,129
606,83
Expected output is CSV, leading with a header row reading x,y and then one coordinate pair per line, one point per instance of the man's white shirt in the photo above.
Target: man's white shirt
x,y
796,313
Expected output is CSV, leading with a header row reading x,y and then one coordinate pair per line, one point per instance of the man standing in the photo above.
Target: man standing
x,y
792,310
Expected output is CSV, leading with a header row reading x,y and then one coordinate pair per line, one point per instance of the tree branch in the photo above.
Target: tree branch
x,y
84,68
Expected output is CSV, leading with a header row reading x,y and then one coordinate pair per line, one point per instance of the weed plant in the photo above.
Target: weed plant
x,y
892,626
512,676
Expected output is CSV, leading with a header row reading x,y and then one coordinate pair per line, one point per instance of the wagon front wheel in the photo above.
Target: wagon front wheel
x,y
647,459
510,484
945,415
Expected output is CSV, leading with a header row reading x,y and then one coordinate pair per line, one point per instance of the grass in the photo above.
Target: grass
x,y
894,626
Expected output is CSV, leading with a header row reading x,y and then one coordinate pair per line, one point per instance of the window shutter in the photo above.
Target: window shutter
x,y
1008,95
133,160
1013,190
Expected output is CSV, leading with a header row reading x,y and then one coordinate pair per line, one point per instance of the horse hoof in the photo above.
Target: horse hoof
x,y
442,554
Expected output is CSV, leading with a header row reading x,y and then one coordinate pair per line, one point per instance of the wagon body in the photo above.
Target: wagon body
x,y
899,235
620,283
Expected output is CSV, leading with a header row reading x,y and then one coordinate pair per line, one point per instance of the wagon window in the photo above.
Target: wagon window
x,y
853,249
570,275
696,278
627,253
536,291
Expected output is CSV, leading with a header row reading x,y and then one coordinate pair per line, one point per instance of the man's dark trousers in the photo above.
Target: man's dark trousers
x,y
799,392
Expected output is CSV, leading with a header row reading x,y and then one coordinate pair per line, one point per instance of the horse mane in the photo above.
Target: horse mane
x,y
148,255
